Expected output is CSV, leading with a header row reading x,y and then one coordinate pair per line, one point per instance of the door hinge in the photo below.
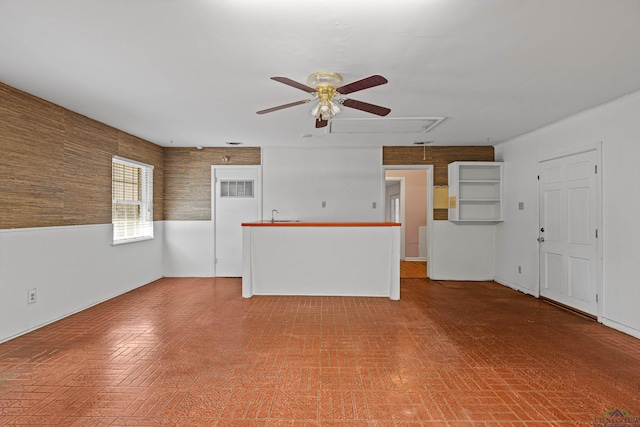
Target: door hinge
x,y
596,233
215,261
596,167
538,177
596,297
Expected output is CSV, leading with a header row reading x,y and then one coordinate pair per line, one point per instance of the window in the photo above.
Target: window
x,y
132,201
395,209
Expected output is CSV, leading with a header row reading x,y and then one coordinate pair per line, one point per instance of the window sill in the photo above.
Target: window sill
x,y
132,240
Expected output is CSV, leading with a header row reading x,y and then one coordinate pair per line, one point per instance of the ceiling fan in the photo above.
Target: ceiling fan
x,y
326,88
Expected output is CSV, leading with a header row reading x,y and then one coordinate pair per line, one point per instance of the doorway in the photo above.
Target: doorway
x,y
395,206
236,198
408,193
569,200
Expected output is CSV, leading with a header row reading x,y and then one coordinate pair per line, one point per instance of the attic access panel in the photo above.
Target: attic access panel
x,y
384,125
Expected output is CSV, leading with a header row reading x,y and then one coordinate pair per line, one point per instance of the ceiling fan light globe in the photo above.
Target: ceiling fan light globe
x,y
335,108
324,78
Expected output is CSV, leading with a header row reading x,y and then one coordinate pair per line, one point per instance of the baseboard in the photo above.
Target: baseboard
x,y
620,327
57,319
414,259
516,287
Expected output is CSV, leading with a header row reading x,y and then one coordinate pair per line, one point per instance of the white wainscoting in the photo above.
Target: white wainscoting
x,y
71,268
461,251
188,249
321,260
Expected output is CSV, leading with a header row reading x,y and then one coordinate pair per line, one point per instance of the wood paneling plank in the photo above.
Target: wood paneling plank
x,y
188,178
55,167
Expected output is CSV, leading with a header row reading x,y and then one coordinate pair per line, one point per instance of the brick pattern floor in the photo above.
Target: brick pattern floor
x,y
192,352
413,269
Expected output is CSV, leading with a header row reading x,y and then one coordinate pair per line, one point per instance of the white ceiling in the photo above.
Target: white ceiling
x,y
194,72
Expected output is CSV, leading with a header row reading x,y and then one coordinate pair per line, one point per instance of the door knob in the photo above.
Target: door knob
x,y
540,239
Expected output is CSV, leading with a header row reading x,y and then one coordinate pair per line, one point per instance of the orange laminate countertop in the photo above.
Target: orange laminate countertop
x,y
268,223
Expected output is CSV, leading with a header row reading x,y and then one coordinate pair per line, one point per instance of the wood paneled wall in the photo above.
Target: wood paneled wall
x,y
55,165
187,186
439,157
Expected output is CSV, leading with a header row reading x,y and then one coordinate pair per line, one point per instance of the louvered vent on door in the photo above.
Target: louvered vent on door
x,y
236,188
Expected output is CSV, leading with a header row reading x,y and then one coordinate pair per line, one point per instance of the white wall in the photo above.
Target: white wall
x,y
516,243
295,181
188,249
461,251
617,125
71,268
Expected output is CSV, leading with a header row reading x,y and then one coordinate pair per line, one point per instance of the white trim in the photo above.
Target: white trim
x,y
515,287
131,240
71,313
51,227
569,152
257,191
132,162
401,180
597,147
143,227
620,327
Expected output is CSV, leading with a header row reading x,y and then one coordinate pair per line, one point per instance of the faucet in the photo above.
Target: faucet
x,y
272,212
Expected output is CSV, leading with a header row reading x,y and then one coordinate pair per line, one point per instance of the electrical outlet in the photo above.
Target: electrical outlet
x,y
374,205
31,296
521,206
324,204
520,269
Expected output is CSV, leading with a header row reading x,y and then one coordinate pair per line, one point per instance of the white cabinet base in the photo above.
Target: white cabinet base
x,y
321,261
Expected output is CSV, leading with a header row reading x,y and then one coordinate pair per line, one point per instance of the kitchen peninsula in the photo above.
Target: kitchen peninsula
x,y
321,259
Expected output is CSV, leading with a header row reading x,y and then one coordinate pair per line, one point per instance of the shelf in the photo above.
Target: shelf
x,y
476,191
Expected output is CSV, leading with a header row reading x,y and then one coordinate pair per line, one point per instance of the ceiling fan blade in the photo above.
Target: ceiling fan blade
x,y
293,83
365,83
321,123
281,107
364,106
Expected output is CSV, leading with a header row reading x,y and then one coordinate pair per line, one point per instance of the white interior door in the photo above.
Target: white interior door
x,y
236,199
568,231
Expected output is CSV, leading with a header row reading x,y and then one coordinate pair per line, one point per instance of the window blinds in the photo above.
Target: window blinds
x,y
132,201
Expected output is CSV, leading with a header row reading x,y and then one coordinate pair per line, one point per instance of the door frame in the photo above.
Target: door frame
x,y
257,191
429,195
402,210
597,147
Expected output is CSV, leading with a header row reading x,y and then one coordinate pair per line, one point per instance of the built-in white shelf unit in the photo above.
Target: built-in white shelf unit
x,y
476,191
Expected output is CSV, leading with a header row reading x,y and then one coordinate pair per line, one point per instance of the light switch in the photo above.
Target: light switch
x,y
520,206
